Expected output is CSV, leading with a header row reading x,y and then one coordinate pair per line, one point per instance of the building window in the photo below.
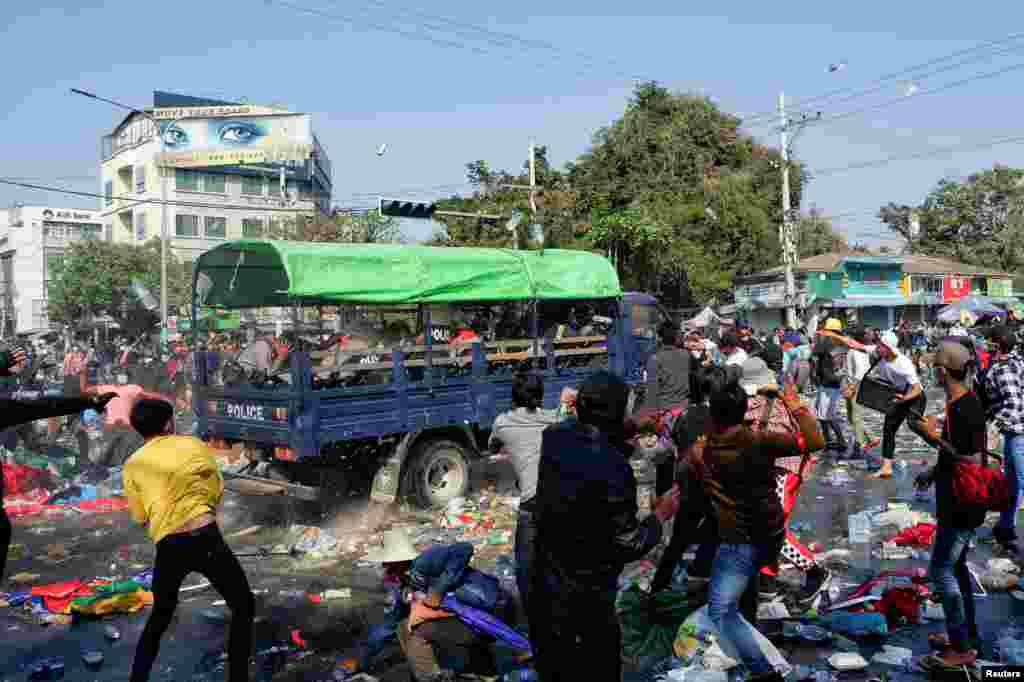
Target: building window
x,y
140,179
214,183
40,316
252,228
108,230
92,232
274,187
186,180
140,226
186,225
252,185
216,228
108,192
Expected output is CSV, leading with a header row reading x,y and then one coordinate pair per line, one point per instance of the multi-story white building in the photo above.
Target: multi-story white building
x,y
228,171
32,241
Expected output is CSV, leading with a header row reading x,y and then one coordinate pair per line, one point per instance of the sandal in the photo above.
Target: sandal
x,y
937,663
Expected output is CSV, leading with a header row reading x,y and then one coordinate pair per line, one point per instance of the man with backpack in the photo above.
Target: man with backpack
x,y
829,367
438,644
1002,393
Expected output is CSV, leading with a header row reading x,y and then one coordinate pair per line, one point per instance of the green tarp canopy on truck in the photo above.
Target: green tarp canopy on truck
x,y
258,273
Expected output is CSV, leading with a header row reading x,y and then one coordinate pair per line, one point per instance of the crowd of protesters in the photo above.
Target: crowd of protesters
x,y
742,441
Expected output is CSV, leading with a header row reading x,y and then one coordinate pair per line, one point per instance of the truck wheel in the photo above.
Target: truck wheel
x,y
439,472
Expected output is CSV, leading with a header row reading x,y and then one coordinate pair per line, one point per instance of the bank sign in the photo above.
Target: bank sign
x,y
64,215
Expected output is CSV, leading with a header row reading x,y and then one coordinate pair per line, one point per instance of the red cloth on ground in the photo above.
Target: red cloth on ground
x,y
19,478
901,605
107,504
922,535
57,596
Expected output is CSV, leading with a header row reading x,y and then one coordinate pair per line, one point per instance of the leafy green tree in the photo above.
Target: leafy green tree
x,y
369,228
815,235
95,278
672,191
978,221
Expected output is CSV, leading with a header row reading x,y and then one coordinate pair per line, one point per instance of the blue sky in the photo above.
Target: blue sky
x,y
439,107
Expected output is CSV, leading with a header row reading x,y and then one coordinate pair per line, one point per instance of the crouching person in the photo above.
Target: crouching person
x,y
437,644
173,487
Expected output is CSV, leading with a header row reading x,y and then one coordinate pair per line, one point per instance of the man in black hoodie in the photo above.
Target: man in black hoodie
x,y
15,412
587,530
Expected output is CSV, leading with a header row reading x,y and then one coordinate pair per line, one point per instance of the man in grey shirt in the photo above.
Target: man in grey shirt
x,y
517,434
668,375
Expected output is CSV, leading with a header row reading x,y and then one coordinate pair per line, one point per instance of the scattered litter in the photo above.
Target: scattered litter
x,y
859,528
247,531
893,655
22,578
297,639
1002,565
847,661
46,669
214,615
93,659
775,610
344,593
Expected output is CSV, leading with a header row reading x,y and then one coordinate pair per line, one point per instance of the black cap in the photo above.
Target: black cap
x,y
1002,335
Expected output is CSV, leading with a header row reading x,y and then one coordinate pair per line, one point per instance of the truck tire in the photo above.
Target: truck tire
x,y
438,472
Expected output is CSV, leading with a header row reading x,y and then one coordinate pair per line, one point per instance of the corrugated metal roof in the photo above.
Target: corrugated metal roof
x,y
914,265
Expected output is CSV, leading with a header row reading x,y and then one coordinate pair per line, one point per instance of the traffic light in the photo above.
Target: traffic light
x,y
398,208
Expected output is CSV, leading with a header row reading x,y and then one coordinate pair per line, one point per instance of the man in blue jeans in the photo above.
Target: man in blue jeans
x,y
1003,394
737,468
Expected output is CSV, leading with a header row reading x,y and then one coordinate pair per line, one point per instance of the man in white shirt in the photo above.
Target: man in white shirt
x,y
899,370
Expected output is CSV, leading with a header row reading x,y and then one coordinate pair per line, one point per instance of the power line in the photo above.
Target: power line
x,y
503,39
802,102
920,155
423,37
921,93
134,201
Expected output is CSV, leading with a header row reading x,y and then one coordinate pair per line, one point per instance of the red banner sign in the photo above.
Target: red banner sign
x,y
955,288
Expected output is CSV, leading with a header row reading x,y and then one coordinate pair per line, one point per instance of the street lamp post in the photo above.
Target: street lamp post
x,y
161,140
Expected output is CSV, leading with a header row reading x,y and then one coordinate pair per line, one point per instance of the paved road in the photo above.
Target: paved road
x,y
105,544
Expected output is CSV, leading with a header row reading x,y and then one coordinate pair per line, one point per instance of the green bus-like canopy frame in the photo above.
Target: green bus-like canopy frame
x,y
268,273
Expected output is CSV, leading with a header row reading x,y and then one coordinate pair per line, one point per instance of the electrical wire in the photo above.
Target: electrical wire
x,y
411,35
826,120
503,39
134,201
920,155
799,103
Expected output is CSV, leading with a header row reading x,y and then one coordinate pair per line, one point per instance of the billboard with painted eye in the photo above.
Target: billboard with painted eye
x,y
227,141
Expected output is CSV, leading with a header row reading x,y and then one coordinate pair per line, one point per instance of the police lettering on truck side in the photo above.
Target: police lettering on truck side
x,y
236,411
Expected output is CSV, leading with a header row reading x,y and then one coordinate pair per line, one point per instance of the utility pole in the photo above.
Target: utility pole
x,y
533,189
786,239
